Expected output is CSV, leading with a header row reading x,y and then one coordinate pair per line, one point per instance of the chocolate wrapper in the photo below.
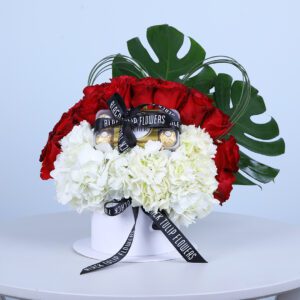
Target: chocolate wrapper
x,y
167,136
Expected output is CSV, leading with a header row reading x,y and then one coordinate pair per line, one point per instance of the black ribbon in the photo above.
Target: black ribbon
x,y
132,118
161,221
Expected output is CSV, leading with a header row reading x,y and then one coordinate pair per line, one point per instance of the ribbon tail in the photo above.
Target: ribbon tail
x,y
120,254
127,138
183,246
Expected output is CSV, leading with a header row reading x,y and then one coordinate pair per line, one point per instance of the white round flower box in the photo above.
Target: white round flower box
x,y
109,233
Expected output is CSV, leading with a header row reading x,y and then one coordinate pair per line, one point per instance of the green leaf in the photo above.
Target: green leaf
x,y
258,138
253,136
222,93
240,179
257,170
166,41
121,66
203,81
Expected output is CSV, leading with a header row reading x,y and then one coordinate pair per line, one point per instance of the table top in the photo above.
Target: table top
x,y
248,257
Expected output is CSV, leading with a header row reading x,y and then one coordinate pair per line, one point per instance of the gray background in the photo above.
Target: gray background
x,y
48,48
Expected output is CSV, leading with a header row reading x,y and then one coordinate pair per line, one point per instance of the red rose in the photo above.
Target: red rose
x,y
51,150
226,180
152,90
88,107
123,86
170,94
64,125
142,91
199,110
227,159
227,156
193,106
216,122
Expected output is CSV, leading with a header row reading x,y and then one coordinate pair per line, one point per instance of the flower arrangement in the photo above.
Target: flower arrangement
x,y
194,108
183,183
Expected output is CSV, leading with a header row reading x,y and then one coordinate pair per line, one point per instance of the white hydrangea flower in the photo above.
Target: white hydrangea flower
x,y
148,177
192,172
186,208
181,182
118,179
80,171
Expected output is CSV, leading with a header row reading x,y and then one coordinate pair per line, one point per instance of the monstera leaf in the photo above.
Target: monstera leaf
x,y
166,42
259,138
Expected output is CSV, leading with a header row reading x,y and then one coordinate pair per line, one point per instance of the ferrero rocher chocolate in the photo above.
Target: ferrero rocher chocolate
x,y
104,137
167,136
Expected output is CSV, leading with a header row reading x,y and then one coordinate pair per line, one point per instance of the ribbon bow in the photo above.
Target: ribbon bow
x,y
129,119
161,222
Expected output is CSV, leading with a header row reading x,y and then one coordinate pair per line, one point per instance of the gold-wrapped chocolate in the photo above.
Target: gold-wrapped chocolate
x,y
104,137
167,136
